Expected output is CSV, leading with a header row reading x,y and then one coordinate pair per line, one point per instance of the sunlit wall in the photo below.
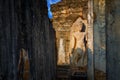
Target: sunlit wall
x,y
49,3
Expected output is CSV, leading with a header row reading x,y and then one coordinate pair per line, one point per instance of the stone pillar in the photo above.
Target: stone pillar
x,y
99,39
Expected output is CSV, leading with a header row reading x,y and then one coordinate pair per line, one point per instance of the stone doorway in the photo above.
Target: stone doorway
x,y
73,18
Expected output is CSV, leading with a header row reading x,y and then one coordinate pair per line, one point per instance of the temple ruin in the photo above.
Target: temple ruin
x,y
79,42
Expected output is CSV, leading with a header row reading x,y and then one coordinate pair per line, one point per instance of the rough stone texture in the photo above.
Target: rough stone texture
x,y
24,25
99,40
113,39
100,75
64,15
66,12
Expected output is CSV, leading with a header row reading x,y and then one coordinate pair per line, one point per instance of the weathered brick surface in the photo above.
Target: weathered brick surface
x,y
64,15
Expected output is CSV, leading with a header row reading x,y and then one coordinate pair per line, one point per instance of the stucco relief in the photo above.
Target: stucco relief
x,y
77,50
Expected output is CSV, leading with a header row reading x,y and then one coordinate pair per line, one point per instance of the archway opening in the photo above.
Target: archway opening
x,y
71,20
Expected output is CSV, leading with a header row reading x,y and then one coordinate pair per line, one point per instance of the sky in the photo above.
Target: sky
x,y
49,3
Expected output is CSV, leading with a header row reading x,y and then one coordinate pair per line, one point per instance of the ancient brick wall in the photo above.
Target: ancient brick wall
x,y
64,15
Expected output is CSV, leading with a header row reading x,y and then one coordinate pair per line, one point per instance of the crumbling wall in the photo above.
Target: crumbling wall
x,y
64,15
